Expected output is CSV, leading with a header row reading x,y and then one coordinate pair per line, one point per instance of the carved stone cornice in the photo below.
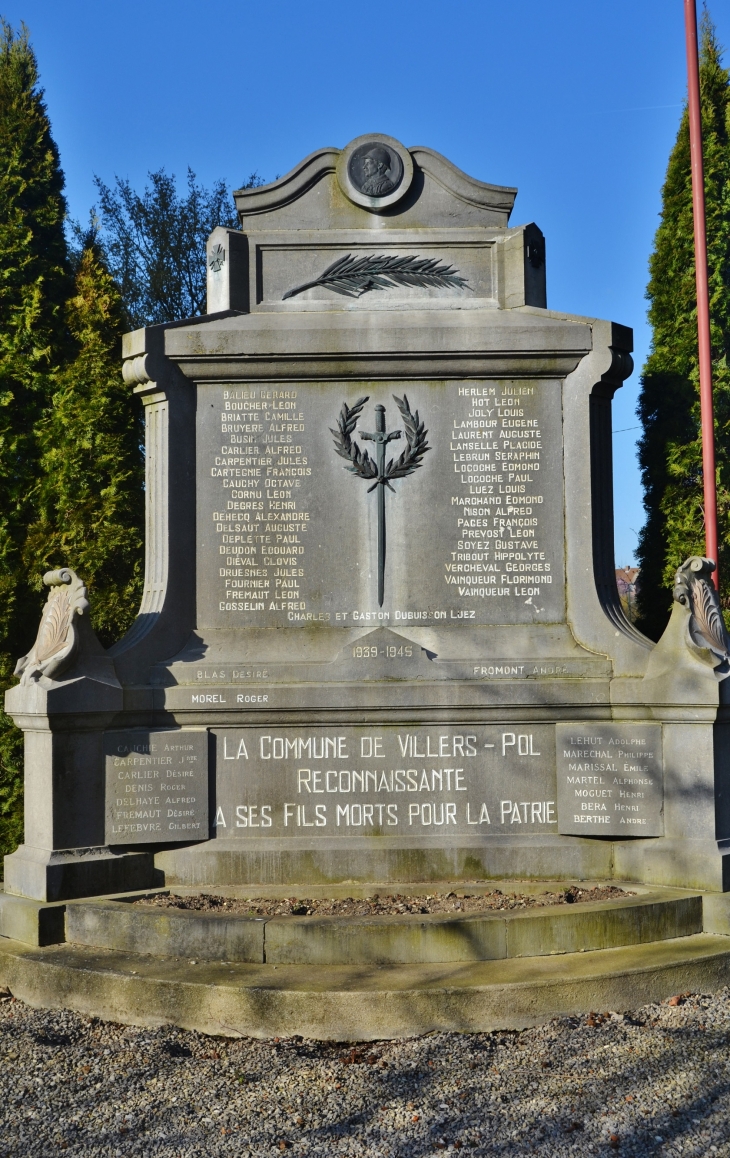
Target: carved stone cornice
x,y
289,187
250,203
500,198
137,371
340,345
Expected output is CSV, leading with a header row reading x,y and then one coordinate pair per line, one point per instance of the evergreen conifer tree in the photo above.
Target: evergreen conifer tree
x,y
34,285
71,463
90,494
670,453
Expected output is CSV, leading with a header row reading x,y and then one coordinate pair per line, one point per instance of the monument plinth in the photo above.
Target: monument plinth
x,y
380,638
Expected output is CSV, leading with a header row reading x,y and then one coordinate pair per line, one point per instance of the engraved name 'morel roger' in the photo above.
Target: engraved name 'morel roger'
x,y
498,550
261,528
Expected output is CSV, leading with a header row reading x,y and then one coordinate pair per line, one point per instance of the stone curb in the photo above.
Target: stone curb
x,y
366,1003
383,939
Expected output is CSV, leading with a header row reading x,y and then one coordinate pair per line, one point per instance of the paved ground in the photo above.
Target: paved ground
x,y
656,1081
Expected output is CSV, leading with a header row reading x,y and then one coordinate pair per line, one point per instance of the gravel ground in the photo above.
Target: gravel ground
x,y
655,1081
380,904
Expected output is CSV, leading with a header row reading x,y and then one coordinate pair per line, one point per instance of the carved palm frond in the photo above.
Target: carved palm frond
x,y
53,630
416,444
354,276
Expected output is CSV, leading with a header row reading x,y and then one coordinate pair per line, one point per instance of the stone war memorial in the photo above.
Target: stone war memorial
x,y
380,653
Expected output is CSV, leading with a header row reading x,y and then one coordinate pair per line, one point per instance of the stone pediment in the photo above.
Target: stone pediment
x,y
375,226
311,196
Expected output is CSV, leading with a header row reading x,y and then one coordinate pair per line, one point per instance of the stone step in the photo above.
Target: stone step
x,y
652,915
365,1002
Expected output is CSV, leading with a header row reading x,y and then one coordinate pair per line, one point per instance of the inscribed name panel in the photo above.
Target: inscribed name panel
x,y
446,505
610,779
156,786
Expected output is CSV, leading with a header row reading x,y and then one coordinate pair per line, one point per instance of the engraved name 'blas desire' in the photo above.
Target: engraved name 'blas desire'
x,y
361,464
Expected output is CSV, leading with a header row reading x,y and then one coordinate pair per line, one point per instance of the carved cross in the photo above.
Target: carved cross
x,y
381,440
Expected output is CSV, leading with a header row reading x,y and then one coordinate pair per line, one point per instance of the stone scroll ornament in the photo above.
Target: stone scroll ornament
x,y
380,472
694,589
57,640
354,276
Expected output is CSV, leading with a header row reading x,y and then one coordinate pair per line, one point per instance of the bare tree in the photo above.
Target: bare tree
x,y
155,243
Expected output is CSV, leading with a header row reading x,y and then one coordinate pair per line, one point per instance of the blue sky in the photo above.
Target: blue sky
x,y
575,102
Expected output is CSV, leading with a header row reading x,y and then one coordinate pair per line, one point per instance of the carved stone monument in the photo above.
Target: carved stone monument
x,y
380,638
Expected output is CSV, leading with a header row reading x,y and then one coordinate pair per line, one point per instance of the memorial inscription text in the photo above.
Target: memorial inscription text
x,y
156,786
610,780
288,537
388,781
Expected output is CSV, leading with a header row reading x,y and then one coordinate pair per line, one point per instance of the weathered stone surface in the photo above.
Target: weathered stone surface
x,y
56,875
362,859
652,915
156,786
610,779
380,505
276,551
165,933
31,922
351,1003
416,782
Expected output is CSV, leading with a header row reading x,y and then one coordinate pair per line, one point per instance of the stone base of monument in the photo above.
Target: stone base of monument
x,y
57,875
32,922
682,863
367,977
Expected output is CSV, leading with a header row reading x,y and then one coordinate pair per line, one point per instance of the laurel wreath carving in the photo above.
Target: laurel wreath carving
x,y
360,462
354,276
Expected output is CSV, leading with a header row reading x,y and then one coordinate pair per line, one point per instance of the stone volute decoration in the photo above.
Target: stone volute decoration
x,y
695,591
57,640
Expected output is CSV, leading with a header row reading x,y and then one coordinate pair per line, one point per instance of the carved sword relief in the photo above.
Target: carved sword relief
x,y
361,464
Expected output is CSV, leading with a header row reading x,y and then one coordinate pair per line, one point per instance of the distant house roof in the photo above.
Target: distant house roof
x,y
627,580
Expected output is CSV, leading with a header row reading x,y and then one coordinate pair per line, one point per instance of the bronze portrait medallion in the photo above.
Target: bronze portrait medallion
x,y
375,169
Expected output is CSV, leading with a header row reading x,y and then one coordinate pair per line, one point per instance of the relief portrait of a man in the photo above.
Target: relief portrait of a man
x,y
374,167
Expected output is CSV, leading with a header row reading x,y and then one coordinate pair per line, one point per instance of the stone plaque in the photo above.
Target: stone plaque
x,y
385,781
156,786
465,524
610,780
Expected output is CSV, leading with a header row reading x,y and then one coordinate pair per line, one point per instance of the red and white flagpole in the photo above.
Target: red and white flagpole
x,y
703,294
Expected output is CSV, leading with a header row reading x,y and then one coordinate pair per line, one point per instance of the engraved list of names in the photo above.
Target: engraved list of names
x,y
499,546
290,535
259,521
